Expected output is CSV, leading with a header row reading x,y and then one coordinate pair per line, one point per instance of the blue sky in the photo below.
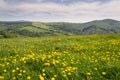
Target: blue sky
x,y
59,10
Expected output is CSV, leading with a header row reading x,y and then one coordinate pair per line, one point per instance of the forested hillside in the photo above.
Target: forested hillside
x,y
38,29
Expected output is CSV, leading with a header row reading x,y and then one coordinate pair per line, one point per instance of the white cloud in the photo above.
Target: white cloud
x,y
2,3
76,12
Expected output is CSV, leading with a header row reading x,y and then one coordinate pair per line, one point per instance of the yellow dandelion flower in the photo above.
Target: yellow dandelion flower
x,y
43,70
44,74
95,69
13,70
103,73
69,73
41,77
47,64
55,75
24,71
28,77
20,70
20,74
1,77
5,70
7,63
74,68
96,61
24,61
52,78
17,69
88,73
3,65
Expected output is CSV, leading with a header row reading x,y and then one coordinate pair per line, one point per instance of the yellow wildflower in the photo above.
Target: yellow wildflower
x,y
41,77
69,73
96,69
43,70
17,68
20,74
44,74
47,64
1,77
24,71
13,70
103,73
88,73
4,70
52,78
28,77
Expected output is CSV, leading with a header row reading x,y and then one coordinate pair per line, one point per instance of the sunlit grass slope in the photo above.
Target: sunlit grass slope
x,y
95,57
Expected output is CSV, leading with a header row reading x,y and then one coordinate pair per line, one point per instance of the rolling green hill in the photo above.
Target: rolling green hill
x,y
38,29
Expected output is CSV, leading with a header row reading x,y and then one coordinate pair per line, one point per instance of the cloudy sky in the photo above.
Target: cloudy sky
x,y
59,10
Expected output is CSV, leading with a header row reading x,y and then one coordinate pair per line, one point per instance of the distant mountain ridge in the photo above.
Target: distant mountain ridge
x,y
38,29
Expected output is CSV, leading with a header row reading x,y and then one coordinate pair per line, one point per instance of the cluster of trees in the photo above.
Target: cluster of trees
x,y
25,33
7,35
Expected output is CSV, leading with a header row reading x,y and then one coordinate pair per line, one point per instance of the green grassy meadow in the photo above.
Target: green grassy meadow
x,y
93,57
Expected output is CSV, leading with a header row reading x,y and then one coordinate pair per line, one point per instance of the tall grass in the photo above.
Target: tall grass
x,y
95,57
